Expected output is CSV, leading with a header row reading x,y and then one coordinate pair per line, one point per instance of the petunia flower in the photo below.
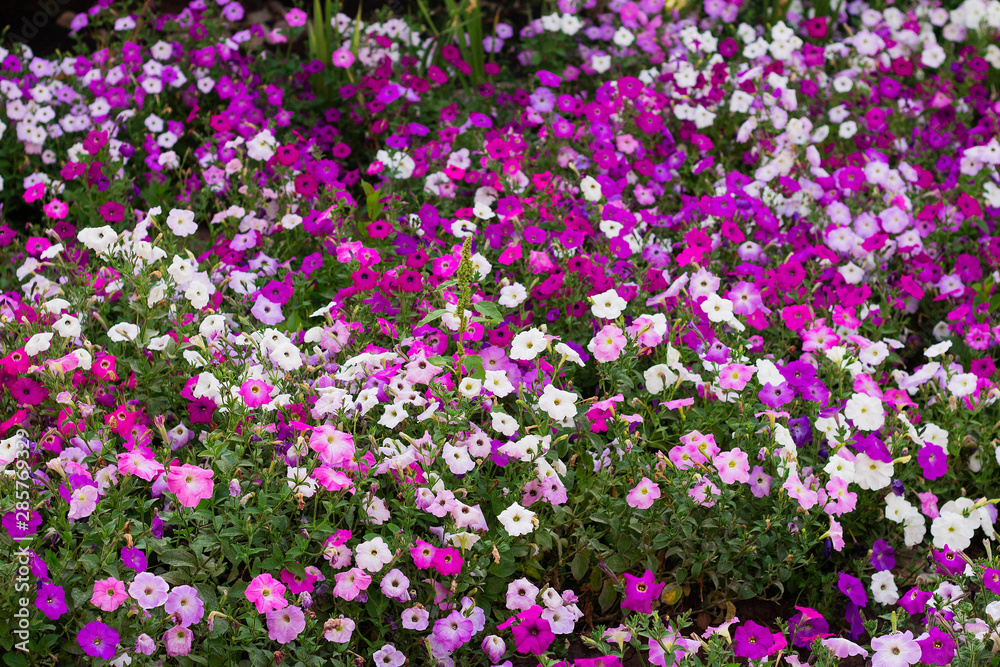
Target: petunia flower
x,y
752,640
641,591
895,650
98,640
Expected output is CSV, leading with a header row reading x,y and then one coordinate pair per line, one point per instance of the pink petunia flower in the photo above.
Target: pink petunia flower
x,y
607,345
644,494
350,583
284,625
148,590
190,483
735,376
183,601
334,447
83,502
109,594
266,593
733,466
177,641
339,630
343,57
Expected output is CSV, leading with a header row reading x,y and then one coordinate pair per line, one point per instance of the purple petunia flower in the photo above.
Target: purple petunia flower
x,y
51,600
752,640
933,461
883,556
98,640
853,589
134,559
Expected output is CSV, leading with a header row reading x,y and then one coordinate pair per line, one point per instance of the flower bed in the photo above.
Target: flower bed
x,y
452,351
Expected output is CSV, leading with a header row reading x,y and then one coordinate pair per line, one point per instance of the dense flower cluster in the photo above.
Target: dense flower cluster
x,y
304,359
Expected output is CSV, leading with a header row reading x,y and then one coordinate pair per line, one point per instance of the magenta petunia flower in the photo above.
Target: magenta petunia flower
x,y
448,561
806,626
752,640
776,396
991,580
27,392
423,554
17,528
949,562
641,591
533,634
936,647
255,393
133,559
51,600
277,292
98,640
915,601
112,211
883,556
933,461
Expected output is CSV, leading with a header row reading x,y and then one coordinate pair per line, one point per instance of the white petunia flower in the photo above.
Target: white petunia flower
x,y
516,520
608,305
527,345
866,412
123,331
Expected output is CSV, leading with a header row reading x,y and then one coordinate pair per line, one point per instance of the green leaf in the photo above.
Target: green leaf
x,y
430,317
219,627
90,562
578,566
372,200
503,569
607,596
474,366
176,577
238,590
489,310
16,659
616,564
178,558
298,569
